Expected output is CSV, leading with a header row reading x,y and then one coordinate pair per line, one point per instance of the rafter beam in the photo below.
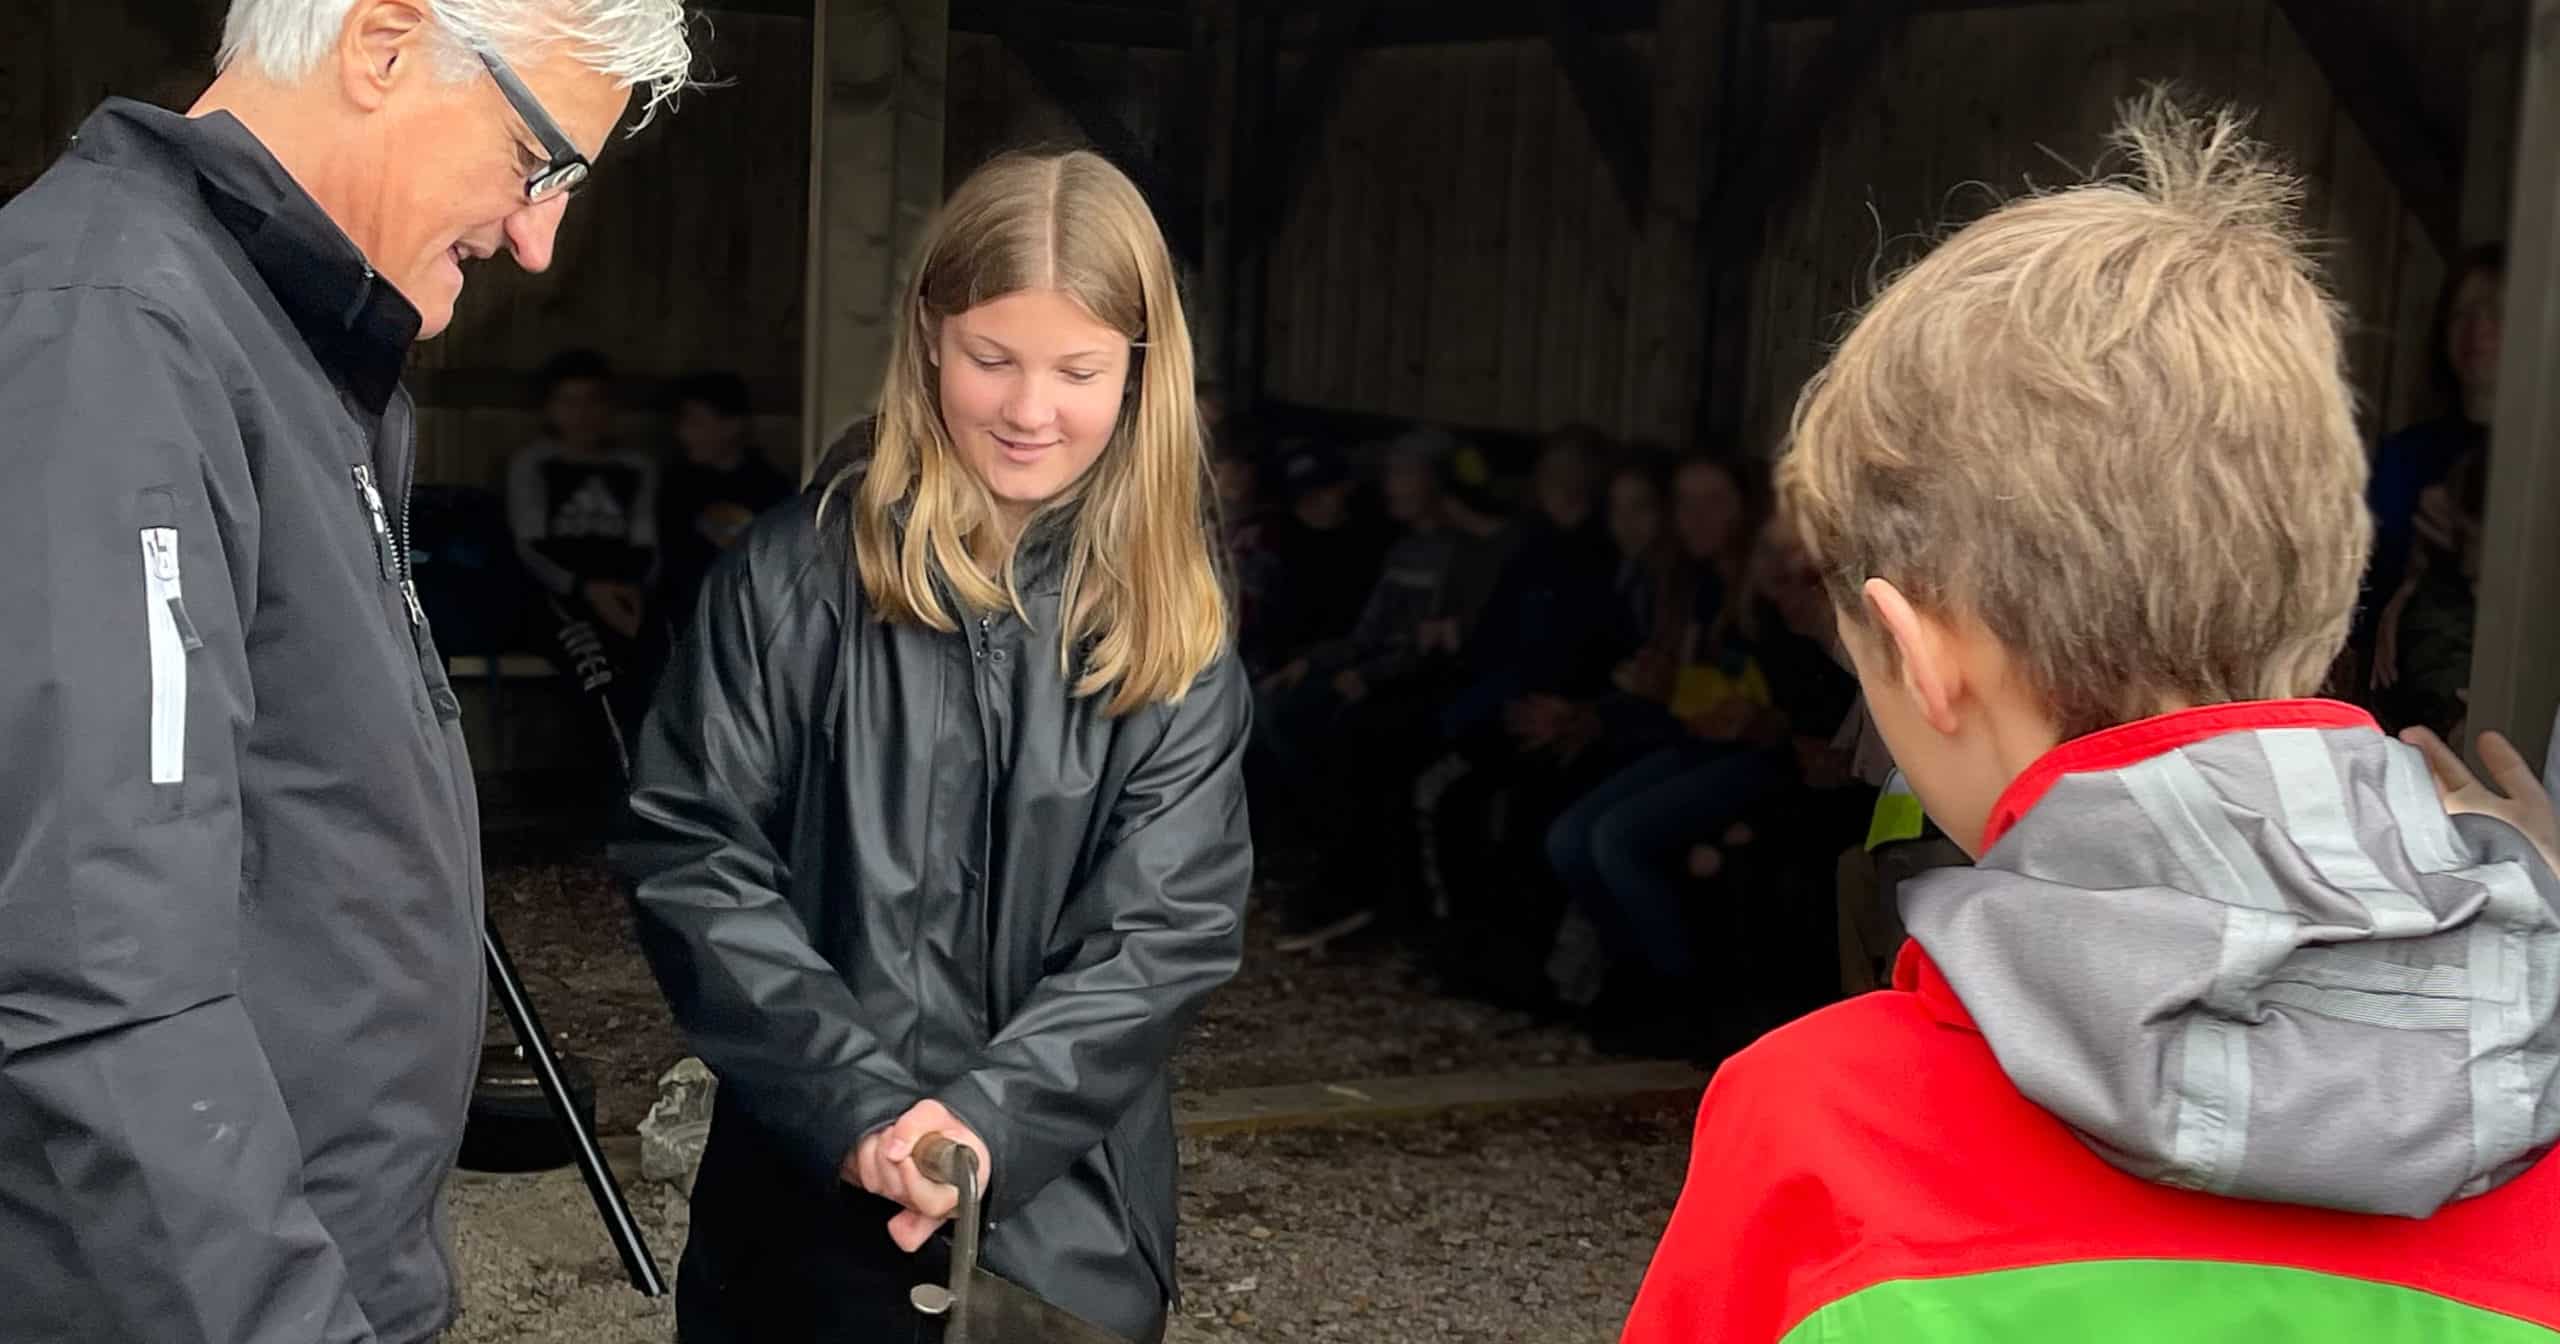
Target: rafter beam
x,y
1767,150
2375,85
1778,159
1792,11
1306,107
1616,100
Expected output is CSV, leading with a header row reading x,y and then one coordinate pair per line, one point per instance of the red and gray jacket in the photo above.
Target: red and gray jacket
x,y
2232,1034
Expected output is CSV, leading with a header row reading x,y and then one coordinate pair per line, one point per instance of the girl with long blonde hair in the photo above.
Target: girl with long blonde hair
x,y
939,825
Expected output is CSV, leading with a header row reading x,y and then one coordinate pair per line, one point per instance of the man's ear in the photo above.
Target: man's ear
x,y
381,43
1924,653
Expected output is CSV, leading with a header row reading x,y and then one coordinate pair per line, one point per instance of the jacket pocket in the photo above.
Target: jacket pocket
x,y
171,638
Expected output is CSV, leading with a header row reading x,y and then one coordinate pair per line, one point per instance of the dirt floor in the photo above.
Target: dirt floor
x,y
1361,1012
1520,1226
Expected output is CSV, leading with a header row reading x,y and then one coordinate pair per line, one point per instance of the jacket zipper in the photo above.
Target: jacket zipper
x,y
172,637
390,549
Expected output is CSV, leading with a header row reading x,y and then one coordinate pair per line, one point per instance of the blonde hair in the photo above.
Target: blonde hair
x,y
1142,600
2112,424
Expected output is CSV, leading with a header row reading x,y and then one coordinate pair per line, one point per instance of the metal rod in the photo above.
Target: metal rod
x,y
527,1024
595,676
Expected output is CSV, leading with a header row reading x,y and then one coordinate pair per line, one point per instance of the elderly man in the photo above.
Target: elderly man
x,y
240,979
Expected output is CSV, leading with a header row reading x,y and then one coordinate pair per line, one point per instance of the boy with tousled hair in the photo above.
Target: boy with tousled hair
x,y
2233,1032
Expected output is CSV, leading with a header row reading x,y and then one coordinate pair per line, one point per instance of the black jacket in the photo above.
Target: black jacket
x,y
874,863
240,976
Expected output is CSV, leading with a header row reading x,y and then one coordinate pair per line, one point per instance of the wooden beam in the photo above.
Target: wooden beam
x,y
1616,101
771,9
2515,661
2489,136
513,389
1215,73
2379,91
1261,1110
1173,195
1797,11
1246,270
1303,111
1432,22
1157,27
1763,161
877,74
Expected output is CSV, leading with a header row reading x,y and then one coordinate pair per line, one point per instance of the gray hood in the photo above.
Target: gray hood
x,y
2267,965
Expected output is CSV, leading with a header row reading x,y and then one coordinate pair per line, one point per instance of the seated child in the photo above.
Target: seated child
x,y
2232,1032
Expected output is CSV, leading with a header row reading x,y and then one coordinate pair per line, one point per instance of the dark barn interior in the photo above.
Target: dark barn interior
x,y
1645,220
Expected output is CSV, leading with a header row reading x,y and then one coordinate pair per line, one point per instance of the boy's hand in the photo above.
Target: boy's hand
x,y
2517,798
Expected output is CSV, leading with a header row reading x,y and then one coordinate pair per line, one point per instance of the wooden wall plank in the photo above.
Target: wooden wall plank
x,y
1302,221
1385,176
1421,182
1602,386
1569,264
1531,180
1334,280
1664,361
1492,90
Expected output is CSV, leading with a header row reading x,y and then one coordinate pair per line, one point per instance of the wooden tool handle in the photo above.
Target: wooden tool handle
x,y
945,1159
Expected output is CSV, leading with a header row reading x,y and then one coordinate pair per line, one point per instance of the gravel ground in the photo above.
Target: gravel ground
x,y
1519,1227
1364,1011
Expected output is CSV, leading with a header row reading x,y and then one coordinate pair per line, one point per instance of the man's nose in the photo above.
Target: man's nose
x,y
532,230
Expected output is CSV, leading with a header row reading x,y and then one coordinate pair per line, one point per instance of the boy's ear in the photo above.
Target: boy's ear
x,y
1924,655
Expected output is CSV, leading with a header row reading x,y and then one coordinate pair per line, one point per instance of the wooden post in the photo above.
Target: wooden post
x,y
2489,142
1253,188
1664,358
875,177
1730,226
2515,664
1215,72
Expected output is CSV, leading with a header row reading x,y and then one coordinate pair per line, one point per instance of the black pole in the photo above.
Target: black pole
x,y
595,675
527,1024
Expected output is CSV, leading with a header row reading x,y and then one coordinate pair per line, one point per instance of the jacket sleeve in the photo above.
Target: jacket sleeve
x,y
702,850
1156,925
165,1204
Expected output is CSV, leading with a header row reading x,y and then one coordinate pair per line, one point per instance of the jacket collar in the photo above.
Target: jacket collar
x,y
2131,743
2110,749
358,325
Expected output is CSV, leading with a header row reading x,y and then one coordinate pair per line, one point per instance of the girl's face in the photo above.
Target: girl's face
x,y
1706,508
1635,514
2472,332
1031,390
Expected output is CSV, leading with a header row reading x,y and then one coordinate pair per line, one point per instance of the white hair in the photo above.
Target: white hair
x,y
640,43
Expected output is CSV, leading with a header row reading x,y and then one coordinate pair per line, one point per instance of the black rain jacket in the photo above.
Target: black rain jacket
x,y
240,975
876,863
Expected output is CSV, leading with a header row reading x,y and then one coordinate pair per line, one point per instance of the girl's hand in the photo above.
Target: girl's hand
x,y
884,1164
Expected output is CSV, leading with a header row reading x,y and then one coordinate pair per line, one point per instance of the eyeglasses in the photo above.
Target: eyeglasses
x,y
567,168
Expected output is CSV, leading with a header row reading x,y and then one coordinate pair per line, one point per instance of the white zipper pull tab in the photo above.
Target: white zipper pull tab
x,y
417,611
163,542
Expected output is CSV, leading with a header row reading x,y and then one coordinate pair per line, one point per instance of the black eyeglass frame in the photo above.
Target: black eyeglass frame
x,y
567,169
